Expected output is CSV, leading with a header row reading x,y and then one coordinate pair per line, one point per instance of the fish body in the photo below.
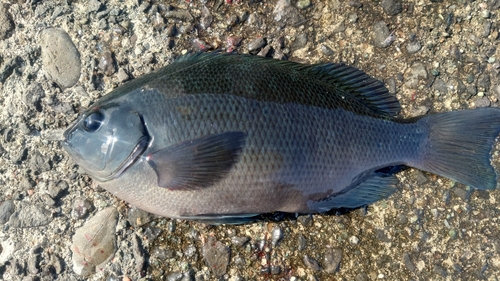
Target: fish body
x,y
225,137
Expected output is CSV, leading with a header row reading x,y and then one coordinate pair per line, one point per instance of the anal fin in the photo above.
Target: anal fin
x,y
375,187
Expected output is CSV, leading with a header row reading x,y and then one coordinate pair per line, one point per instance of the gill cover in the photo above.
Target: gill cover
x,y
106,140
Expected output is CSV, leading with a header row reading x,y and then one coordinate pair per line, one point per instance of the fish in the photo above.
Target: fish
x,y
224,138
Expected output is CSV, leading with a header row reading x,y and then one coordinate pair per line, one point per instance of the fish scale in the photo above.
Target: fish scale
x,y
222,138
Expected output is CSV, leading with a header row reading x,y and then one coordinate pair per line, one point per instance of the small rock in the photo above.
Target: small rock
x,y
60,58
440,86
81,208
332,260
28,215
34,264
417,72
93,6
305,220
6,22
206,18
239,240
56,189
326,50
94,243
381,36
179,14
311,263
256,44
353,240
7,69
302,242
413,47
7,208
392,7
107,63
408,263
216,255
302,4
486,29
286,14
355,4
137,217
482,101
122,75
299,42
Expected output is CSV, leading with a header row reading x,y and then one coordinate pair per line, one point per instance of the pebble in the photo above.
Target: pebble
x,y
33,96
60,58
239,240
326,50
30,215
353,240
39,163
256,44
482,101
216,255
7,69
93,6
299,42
413,46
392,7
417,72
179,14
285,14
381,36
302,4
122,75
332,260
206,18
81,208
440,86
107,63
55,190
6,22
408,263
311,263
95,242
276,235
302,242
137,217
7,208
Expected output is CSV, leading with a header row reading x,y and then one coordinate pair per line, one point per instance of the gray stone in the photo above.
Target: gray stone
x,y
7,208
137,217
332,260
286,14
392,7
60,58
416,73
216,255
6,22
311,263
381,36
28,215
256,44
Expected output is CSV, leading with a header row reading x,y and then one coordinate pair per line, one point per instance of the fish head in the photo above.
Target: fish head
x,y
106,140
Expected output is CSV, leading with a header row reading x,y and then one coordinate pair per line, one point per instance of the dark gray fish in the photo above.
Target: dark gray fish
x,y
225,137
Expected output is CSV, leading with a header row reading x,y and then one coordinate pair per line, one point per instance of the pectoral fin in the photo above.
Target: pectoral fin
x,y
197,163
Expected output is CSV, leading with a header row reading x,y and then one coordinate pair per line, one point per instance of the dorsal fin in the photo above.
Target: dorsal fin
x,y
369,91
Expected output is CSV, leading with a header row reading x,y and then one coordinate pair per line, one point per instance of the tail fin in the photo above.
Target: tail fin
x,y
460,144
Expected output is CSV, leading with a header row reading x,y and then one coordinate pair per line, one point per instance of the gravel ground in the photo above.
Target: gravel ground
x,y
57,57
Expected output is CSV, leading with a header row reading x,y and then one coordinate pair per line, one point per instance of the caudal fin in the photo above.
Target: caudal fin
x,y
460,144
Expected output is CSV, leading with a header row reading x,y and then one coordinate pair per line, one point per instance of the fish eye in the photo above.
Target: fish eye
x,y
93,121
